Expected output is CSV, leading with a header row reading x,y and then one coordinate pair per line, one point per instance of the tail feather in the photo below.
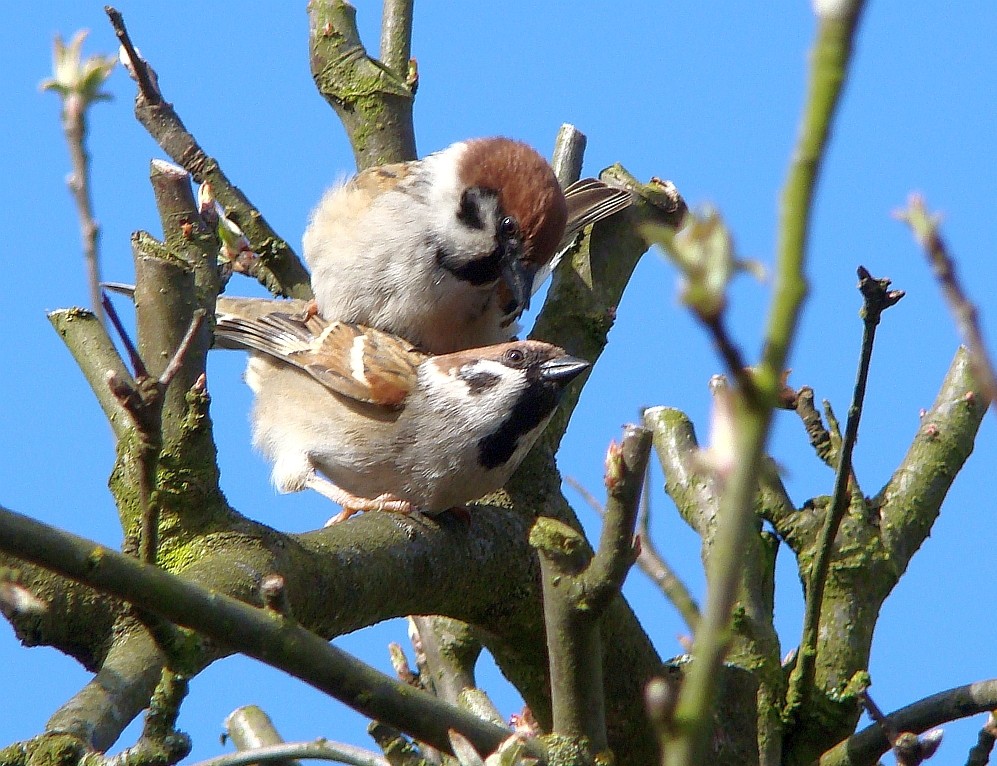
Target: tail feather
x,y
278,335
590,200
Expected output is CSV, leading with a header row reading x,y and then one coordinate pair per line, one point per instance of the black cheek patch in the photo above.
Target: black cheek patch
x,y
469,212
479,381
533,407
477,271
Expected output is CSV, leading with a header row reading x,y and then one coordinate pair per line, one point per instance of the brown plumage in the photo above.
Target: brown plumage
x,y
358,416
445,251
527,189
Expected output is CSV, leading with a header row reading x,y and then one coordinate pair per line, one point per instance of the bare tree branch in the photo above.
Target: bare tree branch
x,y
577,588
249,630
866,747
396,36
280,270
925,228
373,99
877,298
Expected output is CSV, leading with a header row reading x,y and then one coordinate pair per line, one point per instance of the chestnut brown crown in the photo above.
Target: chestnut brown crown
x,y
527,188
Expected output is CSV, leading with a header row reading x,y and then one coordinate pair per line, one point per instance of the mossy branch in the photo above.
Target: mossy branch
x,y
577,587
867,746
247,629
373,100
829,64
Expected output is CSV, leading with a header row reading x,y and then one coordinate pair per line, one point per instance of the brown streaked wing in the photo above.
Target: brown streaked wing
x,y
383,370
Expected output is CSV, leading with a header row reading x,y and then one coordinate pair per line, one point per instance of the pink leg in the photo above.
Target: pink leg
x,y
353,504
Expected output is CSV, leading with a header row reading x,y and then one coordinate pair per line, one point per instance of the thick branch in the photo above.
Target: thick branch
x,y
94,352
119,691
164,307
451,649
696,494
872,551
569,151
577,588
247,629
573,641
185,231
866,747
76,619
626,467
910,501
587,286
373,101
250,728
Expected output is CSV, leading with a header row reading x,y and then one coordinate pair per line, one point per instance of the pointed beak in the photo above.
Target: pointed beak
x,y
563,368
518,278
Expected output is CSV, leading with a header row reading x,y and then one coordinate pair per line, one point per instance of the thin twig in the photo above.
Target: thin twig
x,y
909,749
396,36
925,228
830,57
77,81
133,356
817,433
869,744
877,715
174,365
649,558
138,65
279,269
979,755
732,356
877,298
75,128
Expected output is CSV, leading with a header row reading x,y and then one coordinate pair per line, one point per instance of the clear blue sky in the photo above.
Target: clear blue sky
x,y
708,97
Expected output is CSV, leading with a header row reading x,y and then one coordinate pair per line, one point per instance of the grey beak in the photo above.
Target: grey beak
x,y
563,368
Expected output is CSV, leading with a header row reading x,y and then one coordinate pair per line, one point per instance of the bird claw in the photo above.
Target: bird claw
x,y
354,505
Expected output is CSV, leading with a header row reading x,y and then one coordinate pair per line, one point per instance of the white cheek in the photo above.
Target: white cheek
x,y
435,380
444,195
444,186
491,367
446,385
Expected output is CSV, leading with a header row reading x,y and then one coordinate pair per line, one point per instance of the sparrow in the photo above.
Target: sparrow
x,y
446,251
365,419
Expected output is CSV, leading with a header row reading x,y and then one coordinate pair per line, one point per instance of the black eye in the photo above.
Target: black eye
x,y
508,227
514,356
